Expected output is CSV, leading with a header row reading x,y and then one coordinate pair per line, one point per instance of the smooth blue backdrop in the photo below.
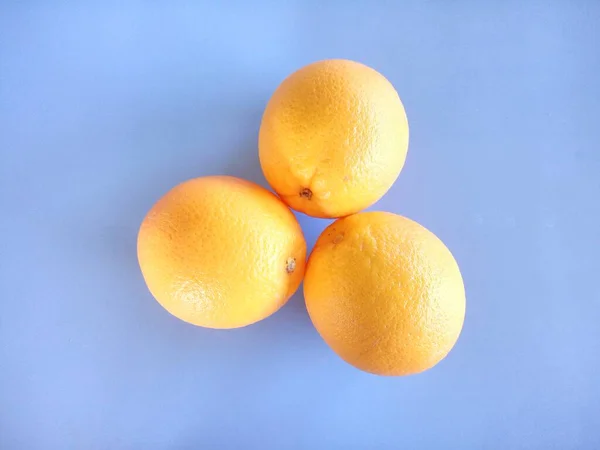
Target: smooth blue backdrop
x,y
104,107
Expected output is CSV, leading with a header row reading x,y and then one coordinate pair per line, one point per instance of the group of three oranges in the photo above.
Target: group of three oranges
x,y
384,292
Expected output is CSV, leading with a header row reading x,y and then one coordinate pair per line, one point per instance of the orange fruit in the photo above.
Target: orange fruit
x,y
385,293
221,252
333,138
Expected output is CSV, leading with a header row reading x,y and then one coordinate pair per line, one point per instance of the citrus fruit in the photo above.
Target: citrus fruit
x,y
384,293
221,252
333,138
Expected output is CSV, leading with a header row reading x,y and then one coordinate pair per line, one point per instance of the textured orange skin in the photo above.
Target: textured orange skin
x,y
215,252
333,138
385,293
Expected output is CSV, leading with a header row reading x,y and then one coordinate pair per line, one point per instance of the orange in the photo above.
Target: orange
x,y
385,293
221,252
333,138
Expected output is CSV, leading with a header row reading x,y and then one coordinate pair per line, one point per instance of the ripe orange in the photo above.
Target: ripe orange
x,y
333,138
385,293
221,252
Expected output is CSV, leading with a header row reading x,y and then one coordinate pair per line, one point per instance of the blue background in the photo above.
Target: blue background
x,y
103,108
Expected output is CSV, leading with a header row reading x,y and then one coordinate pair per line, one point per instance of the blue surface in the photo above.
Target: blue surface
x,y
104,108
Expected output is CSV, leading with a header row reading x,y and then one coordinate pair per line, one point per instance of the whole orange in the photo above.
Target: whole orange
x,y
333,138
385,293
221,252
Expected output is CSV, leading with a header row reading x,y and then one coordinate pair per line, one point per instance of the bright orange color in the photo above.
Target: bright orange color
x,y
333,138
221,252
385,293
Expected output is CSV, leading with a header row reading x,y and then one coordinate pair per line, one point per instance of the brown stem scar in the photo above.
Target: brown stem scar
x,y
306,193
290,265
